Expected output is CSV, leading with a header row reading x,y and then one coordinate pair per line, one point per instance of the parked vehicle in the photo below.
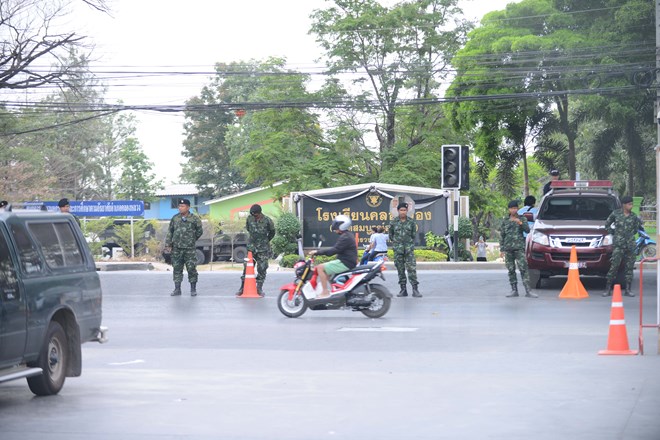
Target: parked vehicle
x,y
352,290
573,213
50,299
645,246
224,247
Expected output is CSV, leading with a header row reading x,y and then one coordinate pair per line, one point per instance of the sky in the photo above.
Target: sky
x,y
192,36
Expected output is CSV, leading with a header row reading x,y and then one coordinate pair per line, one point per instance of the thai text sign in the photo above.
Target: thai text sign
x,y
96,208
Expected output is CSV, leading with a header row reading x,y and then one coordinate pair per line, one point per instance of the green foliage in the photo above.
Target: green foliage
x,y
122,235
287,229
93,230
426,255
289,260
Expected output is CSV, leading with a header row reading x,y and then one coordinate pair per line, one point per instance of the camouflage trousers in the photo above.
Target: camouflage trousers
x,y
187,257
261,265
628,257
513,258
404,260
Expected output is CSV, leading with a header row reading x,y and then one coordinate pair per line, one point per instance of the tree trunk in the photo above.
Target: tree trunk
x,y
562,108
525,169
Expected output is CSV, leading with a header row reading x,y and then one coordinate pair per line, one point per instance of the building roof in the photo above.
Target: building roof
x,y
385,187
242,193
179,189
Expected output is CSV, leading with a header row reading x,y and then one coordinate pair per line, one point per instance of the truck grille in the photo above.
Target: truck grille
x,y
579,241
565,256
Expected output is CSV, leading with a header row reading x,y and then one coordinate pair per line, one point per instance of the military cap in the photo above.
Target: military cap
x,y
554,172
513,204
626,199
402,205
255,209
63,202
184,202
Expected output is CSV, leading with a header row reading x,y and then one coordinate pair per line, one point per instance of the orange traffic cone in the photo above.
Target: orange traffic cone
x,y
250,281
617,341
573,288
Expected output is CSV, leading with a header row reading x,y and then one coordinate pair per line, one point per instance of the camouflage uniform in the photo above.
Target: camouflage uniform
x,y
261,233
623,228
402,236
182,234
512,243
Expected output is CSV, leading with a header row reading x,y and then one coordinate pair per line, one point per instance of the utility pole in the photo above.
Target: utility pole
x,y
657,158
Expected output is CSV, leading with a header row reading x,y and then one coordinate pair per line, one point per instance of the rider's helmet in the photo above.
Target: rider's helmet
x,y
341,223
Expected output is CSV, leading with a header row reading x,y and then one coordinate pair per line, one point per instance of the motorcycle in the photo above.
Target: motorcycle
x,y
352,290
645,246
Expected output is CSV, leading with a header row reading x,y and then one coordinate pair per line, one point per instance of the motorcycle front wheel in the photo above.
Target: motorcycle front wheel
x,y
294,308
380,304
649,251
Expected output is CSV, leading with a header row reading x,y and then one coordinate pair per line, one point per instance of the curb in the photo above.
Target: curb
x,y
109,267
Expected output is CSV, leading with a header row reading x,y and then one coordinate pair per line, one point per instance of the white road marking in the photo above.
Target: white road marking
x,y
378,329
137,361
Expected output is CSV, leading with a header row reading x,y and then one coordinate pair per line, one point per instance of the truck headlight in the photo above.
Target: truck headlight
x,y
540,238
607,240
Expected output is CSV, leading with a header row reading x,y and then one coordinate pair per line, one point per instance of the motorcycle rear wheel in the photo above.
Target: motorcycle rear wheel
x,y
291,309
381,304
649,251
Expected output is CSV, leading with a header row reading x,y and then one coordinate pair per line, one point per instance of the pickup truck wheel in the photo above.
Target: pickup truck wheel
x,y
53,360
200,256
239,254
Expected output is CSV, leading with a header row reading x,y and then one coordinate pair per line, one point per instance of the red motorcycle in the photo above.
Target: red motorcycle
x,y
352,290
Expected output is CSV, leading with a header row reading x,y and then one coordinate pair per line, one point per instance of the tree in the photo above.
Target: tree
x,y
401,54
543,51
30,41
137,181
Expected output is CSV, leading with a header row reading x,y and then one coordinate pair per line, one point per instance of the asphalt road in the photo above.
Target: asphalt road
x,y
464,362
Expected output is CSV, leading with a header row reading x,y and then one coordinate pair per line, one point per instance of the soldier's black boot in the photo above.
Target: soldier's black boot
x,y
403,291
177,290
260,289
240,291
514,291
416,293
608,289
193,289
627,292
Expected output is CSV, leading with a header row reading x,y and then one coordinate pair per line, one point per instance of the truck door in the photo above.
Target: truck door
x,y
13,319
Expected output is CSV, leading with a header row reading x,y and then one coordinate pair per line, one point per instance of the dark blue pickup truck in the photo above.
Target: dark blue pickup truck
x,y
50,299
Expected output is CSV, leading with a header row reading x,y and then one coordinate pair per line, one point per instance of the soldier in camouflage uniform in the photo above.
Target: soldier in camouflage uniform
x,y
512,246
184,230
262,231
623,224
402,235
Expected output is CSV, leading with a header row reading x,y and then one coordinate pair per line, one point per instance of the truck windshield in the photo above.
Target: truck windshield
x,y
577,208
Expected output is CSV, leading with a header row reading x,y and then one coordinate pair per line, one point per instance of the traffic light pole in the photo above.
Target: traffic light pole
x,y
457,203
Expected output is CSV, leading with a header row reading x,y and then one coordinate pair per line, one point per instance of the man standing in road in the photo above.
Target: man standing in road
x,y
402,235
623,224
554,175
262,231
512,247
65,208
184,230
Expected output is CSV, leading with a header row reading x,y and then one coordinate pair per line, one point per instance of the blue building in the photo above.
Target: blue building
x,y
166,205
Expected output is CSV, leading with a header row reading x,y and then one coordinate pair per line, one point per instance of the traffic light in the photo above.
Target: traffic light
x,y
455,173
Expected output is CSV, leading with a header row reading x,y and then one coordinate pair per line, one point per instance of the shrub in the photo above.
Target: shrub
x,y
287,230
289,260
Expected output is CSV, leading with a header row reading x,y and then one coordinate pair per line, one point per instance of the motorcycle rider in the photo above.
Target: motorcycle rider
x,y
345,249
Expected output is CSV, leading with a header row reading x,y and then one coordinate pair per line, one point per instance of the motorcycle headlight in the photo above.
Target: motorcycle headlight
x,y
540,238
607,240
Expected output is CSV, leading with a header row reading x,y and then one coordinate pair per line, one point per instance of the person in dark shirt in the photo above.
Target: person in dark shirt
x,y
554,175
345,249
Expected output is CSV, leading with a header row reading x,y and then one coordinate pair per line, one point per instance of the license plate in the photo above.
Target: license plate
x,y
581,264
575,240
